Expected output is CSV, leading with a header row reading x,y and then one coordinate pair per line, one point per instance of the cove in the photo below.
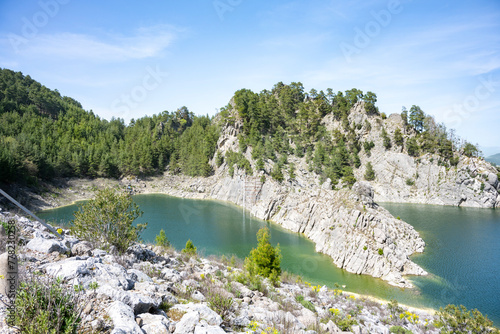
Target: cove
x,y
218,228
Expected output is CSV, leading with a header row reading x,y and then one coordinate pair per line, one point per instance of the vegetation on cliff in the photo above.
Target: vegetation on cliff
x,y
45,135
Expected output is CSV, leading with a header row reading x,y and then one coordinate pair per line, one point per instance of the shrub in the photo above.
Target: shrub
x,y
107,220
190,249
399,330
161,239
410,182
220,303
46,307
380,251
265,260
307,304
457,319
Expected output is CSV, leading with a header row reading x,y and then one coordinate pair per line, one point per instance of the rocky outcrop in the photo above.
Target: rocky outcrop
x,y
133,293
404,179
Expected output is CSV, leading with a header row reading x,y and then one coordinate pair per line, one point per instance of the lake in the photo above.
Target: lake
x,y
462,253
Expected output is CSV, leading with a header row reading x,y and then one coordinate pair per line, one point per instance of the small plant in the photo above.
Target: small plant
x,y
399,330
410,182
365,247
93,285
190,249
220,303
161,239
46,307
307,304
343,322
380,251
60,231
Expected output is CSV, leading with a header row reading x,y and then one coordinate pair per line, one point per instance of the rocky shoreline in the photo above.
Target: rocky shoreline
x,y
355,232
153,289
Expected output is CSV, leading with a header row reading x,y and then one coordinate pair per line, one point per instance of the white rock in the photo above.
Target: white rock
x,y
43,245
187,323
123,319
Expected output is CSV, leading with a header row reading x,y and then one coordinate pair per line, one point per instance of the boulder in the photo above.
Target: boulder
x,y
154,323
187,323
82,248
67,269
205,313
123,319
43,245
200,329
140,253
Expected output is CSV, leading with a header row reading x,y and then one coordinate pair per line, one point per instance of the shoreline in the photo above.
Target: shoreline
x,y
151,189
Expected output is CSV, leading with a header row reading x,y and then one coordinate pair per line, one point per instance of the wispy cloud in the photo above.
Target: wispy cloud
x,y
144,43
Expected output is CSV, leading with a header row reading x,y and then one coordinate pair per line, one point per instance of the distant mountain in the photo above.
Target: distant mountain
x,y
495,158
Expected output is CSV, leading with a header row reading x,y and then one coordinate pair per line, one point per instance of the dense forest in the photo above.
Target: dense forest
x,y
45,135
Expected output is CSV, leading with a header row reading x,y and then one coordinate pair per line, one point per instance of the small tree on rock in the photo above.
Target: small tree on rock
x,y
265,260
107,220
370,173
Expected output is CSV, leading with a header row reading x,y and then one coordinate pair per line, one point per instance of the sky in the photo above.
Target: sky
x,y
126,59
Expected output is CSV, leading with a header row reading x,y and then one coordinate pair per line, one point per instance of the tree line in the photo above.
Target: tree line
x,y
44,135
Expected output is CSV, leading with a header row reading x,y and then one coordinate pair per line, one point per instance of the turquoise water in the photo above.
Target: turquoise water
x,y
462,254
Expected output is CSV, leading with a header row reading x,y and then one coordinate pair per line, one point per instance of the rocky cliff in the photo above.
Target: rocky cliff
x,y
405,179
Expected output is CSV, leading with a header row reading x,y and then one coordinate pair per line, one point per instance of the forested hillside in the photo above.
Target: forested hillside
x,y
287,121
44,135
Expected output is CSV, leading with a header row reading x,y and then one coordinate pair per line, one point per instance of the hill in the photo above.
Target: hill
x,y
282,134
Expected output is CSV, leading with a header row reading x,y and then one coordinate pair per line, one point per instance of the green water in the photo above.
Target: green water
x,y
461,253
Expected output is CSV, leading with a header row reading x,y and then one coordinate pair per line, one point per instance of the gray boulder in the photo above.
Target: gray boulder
x,y
82,248
154,323
123,319
43,245
200,329
188,323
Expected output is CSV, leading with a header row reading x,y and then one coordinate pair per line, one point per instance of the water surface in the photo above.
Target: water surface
x,y
462,253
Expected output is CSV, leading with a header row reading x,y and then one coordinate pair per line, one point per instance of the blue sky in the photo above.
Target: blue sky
x,y
128,58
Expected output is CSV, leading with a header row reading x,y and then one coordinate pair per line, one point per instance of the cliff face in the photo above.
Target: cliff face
x,y
473,182
347,225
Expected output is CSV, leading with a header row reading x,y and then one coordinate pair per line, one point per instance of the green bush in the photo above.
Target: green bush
x,y
399,330
307,304
265,260
457,319
46,307
107,220
220,303
380,251
190,249
161,239
410,182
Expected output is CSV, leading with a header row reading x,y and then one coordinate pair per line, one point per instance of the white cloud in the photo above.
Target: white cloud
x,y
145,43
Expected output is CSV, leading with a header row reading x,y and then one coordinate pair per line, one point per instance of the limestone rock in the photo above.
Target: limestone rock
x,y
123,319
44,245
